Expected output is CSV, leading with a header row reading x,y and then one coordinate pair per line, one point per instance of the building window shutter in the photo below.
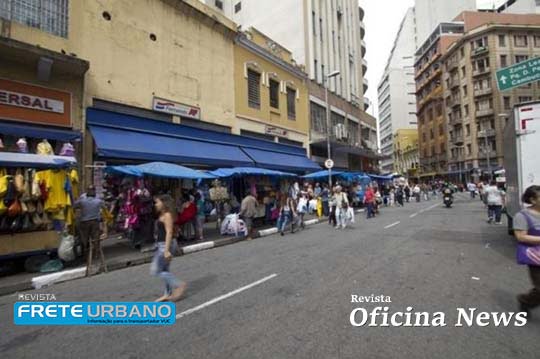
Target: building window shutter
x,y
254,89
274,93
291,103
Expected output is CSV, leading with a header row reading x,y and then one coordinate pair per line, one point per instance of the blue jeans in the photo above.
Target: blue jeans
x,y
283,220
495,211
160,267
370,210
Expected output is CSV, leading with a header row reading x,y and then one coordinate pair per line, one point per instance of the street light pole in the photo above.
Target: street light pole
x,y
328,147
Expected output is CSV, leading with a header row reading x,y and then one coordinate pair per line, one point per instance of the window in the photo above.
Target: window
x,y
504,61
274,93
318,117
502,40
520,40
238,7
468,130
291,103
506,101
524,99
463,71
320,28
521,58
316,70
47,15
536,41
219,4
466,107
462,52
314,23
465,90
441,130
254,89
469,149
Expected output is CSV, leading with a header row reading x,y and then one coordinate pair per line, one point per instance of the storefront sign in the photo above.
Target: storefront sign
x,y
175,108
35,104
276,131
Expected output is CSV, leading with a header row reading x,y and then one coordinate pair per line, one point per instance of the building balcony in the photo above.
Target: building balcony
x,y
453,82
452,65
483,92
364,66
484,154
363,46
457,139
366,103
455,121
484,113
481,71
479,51
362,29
490,132
453,102
366,84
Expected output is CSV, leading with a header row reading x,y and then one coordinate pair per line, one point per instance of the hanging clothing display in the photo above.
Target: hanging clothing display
x,y
44,148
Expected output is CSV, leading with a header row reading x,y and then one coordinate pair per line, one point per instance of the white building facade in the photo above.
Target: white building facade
x,y
396,91
323,35
520,7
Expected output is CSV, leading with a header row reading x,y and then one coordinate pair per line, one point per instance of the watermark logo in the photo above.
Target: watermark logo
x,y
93,313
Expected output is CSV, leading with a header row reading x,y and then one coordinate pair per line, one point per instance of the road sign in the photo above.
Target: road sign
x,y
329,164
519,74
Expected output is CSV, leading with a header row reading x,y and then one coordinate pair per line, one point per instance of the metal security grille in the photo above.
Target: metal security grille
x,y
254,89
291,103
47,15
274,94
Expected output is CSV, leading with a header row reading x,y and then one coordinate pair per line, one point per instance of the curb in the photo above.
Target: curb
x,y
46,280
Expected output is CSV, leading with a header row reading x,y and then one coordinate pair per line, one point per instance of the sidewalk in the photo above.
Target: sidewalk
x,y
119,254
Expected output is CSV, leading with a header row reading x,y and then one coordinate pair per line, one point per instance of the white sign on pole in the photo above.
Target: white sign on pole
x,y
329,163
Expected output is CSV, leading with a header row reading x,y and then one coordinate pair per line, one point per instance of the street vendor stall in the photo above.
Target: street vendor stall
x,y
130,190
36,196
269,185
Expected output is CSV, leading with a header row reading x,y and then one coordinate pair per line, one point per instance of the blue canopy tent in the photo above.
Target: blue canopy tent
x,y
321,174
253,171
161,169
381,178
13,159
355,177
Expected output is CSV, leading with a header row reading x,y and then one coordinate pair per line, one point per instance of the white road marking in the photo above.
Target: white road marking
x,y
224,296
392,225
413,215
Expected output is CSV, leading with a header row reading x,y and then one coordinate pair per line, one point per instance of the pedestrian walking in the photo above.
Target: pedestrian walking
x,y
471,187
342,206
301,209
248,211
325,198
332,204
416,192
527,231
407,192
165,248
369,201
495,202
286,214
399,196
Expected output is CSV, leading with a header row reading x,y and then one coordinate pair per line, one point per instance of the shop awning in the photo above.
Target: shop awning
x,y
281,161
321,174
13,159
381,178
170,170
126,144
247,171
31,131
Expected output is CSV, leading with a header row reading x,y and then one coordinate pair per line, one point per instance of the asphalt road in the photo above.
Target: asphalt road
x,y
435,259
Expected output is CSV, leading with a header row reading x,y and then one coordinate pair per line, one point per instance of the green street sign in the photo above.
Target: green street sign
x,y
519,74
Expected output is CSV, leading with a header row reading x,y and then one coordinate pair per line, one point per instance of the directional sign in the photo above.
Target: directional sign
x,y
519,74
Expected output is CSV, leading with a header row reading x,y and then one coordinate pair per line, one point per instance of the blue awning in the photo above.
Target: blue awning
x,y
281,161
41,132
253,171
103,118
125,144
321,174
170,170
13,159
381,178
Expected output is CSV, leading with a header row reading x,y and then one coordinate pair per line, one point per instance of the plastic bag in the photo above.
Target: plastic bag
x,y
65,250
53,265
233,225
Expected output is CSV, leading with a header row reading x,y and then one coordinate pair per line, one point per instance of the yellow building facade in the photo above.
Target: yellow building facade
x,y
406,157
271,93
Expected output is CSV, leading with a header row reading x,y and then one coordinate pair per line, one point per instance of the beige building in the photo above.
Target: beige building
x,y
476,110
406,159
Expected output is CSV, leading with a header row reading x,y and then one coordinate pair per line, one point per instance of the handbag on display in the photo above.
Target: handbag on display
x,y
36,190
36,219
26,223
31,207
14,209
18,180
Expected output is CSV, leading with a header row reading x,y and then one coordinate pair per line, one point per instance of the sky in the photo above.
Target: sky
x,y
382,19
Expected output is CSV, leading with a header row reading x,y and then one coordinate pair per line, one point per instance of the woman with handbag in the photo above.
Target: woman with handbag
x,y
527,232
